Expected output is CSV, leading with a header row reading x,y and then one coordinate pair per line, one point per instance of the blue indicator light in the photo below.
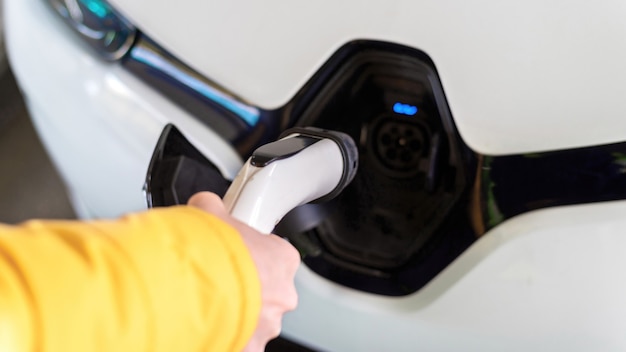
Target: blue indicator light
x,y
404,109
97,7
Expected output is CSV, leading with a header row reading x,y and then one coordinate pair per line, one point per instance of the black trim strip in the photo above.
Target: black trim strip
x,y
516,184
242,124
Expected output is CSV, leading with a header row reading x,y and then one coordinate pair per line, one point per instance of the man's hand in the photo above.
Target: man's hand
x,y
276,261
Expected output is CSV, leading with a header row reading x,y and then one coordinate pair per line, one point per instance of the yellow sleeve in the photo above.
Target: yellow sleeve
x,y
171,279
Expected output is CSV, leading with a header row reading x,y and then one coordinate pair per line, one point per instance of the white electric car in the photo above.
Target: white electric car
x,y
488,210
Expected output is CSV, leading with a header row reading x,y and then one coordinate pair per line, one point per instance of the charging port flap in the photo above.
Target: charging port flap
x,y
178,170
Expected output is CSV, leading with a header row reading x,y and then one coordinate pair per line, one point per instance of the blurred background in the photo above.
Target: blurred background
x,y
30,187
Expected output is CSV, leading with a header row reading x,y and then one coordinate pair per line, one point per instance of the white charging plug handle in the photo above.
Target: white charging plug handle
x,y
261,196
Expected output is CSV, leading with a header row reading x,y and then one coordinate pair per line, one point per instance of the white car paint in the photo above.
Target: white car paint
x,y
544,281
99,123
550,280
521,76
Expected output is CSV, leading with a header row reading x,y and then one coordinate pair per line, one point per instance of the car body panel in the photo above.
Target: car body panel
x,y
99,123
549,280
519,76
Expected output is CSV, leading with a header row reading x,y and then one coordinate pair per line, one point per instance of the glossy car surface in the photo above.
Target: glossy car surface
x,y
512,240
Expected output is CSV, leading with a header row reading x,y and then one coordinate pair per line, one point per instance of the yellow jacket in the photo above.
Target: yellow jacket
x,y
174,279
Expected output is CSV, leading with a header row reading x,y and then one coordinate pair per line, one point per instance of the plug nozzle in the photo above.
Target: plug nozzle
x,y
307,164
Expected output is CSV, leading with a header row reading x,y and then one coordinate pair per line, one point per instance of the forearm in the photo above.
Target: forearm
x,y
166,280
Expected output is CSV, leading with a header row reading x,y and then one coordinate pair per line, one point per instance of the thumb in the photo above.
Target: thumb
x,y
207,201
